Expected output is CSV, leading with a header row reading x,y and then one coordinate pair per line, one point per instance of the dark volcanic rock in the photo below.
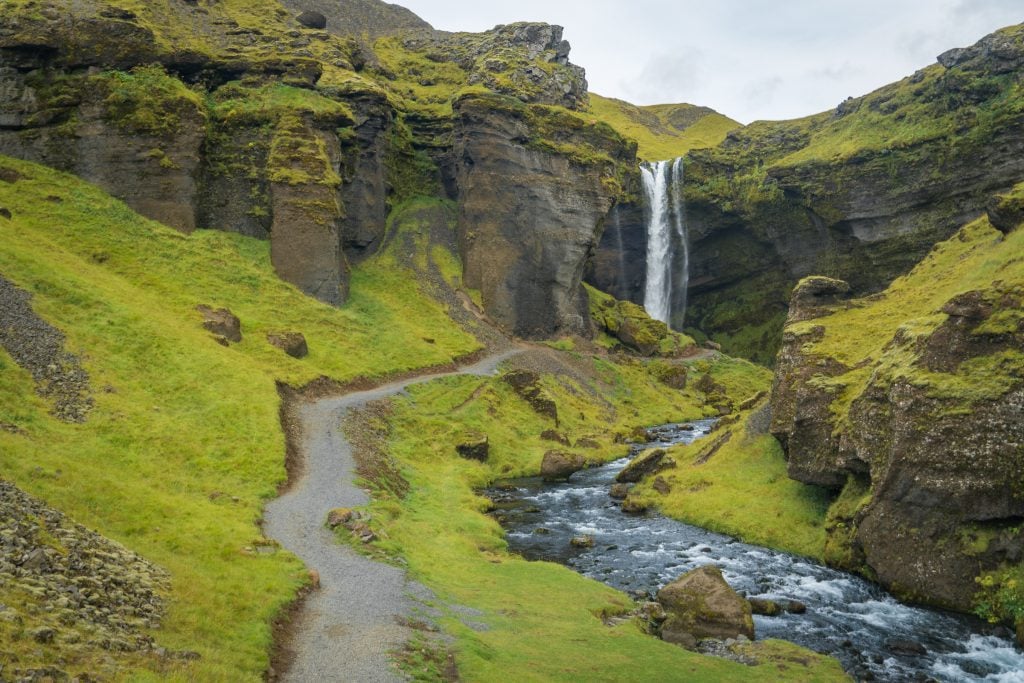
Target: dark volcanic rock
x,y
529,217
475,447
311,19
527,385
38,347
644,464
933,470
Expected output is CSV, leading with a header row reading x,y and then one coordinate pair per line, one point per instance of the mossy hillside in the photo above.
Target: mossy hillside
x,y
663,131
185,444
544,621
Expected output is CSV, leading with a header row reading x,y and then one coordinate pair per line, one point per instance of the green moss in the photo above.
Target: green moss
x,y
146,100
664,131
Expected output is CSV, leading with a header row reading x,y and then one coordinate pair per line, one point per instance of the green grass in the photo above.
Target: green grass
x,y
663,131
544,621
177,416
743,490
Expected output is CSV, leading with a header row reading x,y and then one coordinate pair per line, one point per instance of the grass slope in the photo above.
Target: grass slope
x,y
663,131
178,417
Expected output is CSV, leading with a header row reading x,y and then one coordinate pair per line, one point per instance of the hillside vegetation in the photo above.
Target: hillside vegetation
x,y
663,131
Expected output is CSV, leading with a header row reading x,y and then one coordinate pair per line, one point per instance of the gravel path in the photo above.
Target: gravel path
x,y
346,629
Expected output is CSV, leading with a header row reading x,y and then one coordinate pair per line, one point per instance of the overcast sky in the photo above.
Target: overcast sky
x,y
749,59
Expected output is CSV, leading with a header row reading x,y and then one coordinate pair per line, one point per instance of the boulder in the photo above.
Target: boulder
x,y
292,343
554,435
221,322
661,486
1006,211
559,466
474,447
588,443
646,463
767,608
5,212
631,506
340,516
585,541
700,604
619,491
311,19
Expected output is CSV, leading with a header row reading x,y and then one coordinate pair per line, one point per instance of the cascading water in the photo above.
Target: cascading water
x,y
667,242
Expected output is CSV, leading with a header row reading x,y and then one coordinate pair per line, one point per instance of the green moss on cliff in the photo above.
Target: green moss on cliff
x,y
663,131
146,99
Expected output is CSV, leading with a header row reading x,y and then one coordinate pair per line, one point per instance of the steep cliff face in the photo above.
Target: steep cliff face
x,y
531,209
181,111
912,402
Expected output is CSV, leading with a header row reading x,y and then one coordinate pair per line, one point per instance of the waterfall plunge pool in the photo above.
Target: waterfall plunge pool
x,y
847,617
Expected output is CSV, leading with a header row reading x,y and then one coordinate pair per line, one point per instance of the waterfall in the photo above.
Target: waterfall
x,y
667,241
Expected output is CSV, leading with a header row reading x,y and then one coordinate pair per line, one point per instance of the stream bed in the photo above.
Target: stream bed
x,y
870,632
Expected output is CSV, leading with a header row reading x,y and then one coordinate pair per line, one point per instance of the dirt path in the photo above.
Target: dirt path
x,y
346,629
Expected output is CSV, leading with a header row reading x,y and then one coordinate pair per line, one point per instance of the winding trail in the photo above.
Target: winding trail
x,y
346,629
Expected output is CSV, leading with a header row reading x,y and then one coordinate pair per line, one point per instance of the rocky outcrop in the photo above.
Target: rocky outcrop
x,y
527,386
39,348
474,447
699,605
643,465
292,343
532,208
221,322
81,592
923,436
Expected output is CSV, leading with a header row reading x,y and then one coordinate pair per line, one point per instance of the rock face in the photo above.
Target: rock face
x,y
530,216
203,129
700,604
922,435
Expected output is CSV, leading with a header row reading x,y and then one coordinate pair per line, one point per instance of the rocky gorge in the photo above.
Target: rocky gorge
x,y
407,198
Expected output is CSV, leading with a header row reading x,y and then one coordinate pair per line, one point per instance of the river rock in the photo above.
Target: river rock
x,y
795,607
700,604
632,506
221,322
767,608
619,491
559,465
474,447
642,465
905,646
585,541
292,343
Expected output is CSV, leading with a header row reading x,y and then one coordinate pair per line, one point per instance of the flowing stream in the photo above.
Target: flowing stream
x,y
667,242
871,633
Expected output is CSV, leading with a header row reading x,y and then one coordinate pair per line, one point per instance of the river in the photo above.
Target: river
x,y
857,622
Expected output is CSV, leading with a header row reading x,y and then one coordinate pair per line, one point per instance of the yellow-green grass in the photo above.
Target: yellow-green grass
x,y
179,417
743,490
544,621
857,335
656,136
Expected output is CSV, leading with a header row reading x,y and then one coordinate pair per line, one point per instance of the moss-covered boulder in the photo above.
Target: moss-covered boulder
x,y
1006,211
559,465
630,325
700,604
644,464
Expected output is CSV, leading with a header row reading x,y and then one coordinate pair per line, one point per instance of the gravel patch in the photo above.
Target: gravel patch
x,y
38,347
